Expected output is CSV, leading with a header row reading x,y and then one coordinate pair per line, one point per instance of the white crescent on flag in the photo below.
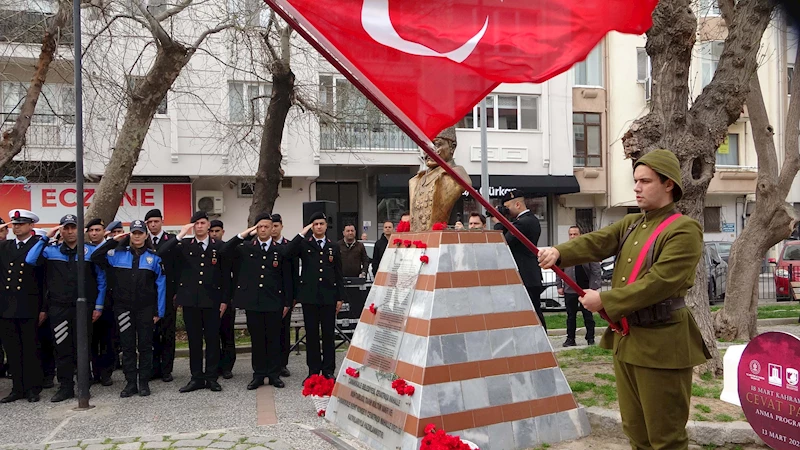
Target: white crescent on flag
x,y
377,23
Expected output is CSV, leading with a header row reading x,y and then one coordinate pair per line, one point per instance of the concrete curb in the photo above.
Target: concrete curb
x,y
761,322
608,423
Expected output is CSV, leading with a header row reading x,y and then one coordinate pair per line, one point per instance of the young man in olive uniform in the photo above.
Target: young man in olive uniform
x,y
653,363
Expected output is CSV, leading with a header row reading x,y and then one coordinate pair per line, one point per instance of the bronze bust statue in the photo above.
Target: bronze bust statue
x,y
433,192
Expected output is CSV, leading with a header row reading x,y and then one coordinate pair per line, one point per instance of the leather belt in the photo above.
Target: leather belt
x,y
656,314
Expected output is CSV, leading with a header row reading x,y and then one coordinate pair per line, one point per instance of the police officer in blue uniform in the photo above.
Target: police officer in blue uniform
x,y
139,287
61,281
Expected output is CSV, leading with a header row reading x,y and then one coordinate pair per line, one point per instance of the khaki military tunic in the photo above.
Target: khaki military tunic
x,y
676,344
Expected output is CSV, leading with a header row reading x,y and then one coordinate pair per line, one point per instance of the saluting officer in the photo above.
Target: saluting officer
x,y
202,293
104,328
321,292
21,308
227,340
286,325
139,288
61,281
264,291
164,333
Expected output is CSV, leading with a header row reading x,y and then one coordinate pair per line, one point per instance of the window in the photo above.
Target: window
x,y
728,151
709,8
789,74
247,102
505,112
588,142
589,72
133,81
711,220
643,67
56,101
584,219
247,12
710,52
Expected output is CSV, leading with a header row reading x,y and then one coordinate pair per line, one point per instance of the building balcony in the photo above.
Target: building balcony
x,y
46,132
27,27
365,137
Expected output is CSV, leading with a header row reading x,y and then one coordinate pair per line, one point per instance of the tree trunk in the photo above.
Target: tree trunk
x,y
142,106
14,139
695,133
771,222
268,176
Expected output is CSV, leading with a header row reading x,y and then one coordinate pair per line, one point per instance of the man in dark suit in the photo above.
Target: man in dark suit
x,y
286,325
528,265
380,246
227,338
588,277
21,308
263,290
322,292
202,293
164,329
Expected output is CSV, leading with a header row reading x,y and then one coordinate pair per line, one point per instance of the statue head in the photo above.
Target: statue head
x,y
445,144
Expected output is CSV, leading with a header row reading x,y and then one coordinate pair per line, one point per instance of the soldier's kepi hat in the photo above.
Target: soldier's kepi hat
x,y
198,215
138,225
94,222
22,216
153,213
664,162
319,215
69,219
512,194
262,216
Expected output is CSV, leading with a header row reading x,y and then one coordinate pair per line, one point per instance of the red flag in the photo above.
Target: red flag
x,y
434,60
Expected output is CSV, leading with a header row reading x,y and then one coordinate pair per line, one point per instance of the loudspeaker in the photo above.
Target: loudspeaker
x,y
329,208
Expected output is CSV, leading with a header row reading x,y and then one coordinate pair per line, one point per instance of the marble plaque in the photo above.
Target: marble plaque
x,y
367,409
393,307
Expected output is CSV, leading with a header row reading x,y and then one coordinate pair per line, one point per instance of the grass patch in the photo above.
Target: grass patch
x,y
558,321
703,408
707,376
723,418
607,391
775,311
587,354
707,392
581,386
699,417
589,402
606,376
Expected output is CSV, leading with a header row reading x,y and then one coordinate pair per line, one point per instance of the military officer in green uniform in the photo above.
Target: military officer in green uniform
x,y
653,363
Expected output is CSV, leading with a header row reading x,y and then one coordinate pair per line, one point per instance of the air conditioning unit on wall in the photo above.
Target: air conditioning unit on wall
x,y
209,201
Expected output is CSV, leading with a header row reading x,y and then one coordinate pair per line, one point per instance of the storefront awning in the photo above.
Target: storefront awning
x,y
531,185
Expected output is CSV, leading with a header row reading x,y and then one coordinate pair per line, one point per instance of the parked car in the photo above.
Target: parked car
x,y
551,301
607,270
722,247
717,270
788,263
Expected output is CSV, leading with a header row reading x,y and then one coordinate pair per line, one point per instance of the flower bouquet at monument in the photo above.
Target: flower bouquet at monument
x,y
320,390
439,440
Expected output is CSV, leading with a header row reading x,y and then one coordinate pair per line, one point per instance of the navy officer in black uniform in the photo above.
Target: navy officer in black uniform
x,y
21,308
321,291
164,332
227,338
61,282
202,294
263,290
286,325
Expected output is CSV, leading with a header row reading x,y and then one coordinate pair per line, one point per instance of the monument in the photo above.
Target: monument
x,y
448,337
433,192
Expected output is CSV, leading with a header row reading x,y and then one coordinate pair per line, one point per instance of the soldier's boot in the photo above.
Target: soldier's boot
x,y
569,343
62,394
129,390
144,389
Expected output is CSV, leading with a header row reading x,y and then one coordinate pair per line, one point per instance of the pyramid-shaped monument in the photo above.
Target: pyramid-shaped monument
x,y
461,329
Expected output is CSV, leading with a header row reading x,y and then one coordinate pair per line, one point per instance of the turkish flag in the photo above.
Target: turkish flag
x,y
429,62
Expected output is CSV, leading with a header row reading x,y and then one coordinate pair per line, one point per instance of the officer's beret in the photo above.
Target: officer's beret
x,y
114,225
153,213
664,162
94,222
512,194
319,215
199,215
262,216
276,218
216,223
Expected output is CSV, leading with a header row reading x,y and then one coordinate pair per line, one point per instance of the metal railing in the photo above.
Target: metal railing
x,y
27,27
46,130
364,136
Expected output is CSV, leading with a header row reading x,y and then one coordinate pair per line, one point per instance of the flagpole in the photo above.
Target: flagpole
x,y
82,310
485,187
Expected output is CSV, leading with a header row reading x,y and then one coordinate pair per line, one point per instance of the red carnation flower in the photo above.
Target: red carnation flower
x,y
321,413
372,308
403,226
421,244
439,226
424,259
409,390
407,243
397,242
430,428
352,372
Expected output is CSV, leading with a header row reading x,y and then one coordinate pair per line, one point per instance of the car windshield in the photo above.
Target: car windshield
x,y
724,248
791,253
